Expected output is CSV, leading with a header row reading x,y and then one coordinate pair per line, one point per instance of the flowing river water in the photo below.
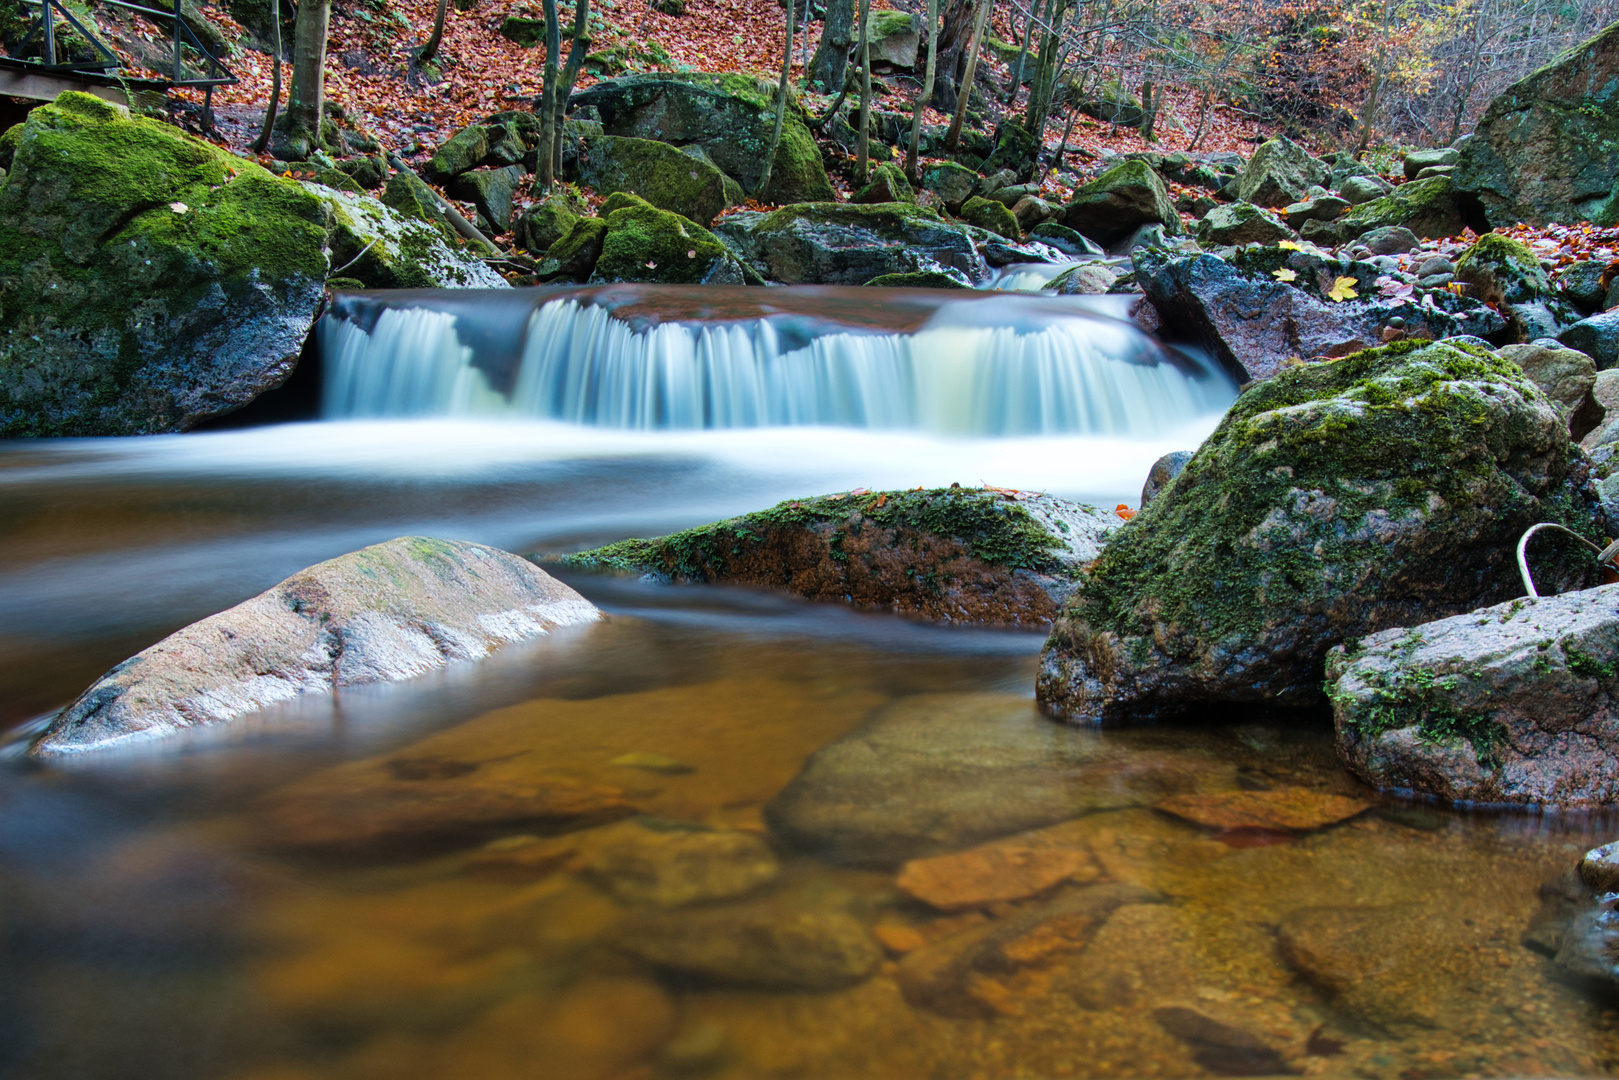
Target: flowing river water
x,y
748,772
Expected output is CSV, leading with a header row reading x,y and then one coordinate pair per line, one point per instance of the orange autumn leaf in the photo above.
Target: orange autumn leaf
x,y
1124,511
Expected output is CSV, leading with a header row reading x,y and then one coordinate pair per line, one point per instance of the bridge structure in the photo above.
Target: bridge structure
x,y
34,68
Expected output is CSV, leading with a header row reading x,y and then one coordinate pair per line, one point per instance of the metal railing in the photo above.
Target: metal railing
x,y
214,73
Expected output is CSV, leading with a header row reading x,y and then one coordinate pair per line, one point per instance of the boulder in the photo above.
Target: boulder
x,y
1164,470
1433,209
953,184
951,554
894,37
1418,160
1389,240
522,30
643,243
492,191
1363,189
1241,223
1503,271
573,257
384,250
384,613
731,117
1014,152
888,185
1516,703
149,280
1111,207
659,173
461,152
1333,501
1113,104
1567,377
1254,323
1547,148
1280,172
1596,337
848,244
1317,208
544,223
991,216
1587,285
1031,210
1064,239
1086,279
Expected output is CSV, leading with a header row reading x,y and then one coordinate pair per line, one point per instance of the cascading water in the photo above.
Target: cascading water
x,y
651,357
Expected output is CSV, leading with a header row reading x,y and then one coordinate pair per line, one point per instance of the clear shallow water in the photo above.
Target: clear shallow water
x,y
175,912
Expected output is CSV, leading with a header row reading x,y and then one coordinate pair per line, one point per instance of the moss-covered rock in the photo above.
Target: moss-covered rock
x,y
1503,270
952,554
406,194
546,222
1280,172
993,216
1334,500
644,243
1432,208
888,185
148,280
492,191
895,37
849,244
573,257
1112,104
1241,223
732,117
917,281
1547,148
682,183
461,152
383,250
953,184
1122,199
1015,148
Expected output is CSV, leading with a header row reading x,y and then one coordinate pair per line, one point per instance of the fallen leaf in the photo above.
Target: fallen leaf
x,y
1342,289
1284,274
1288,245
179,207
1124,511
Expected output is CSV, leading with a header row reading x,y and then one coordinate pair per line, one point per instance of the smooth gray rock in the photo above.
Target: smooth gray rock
x,y
1516,703
1418,160
380,614
1389,240
1596,337
1363,189
1164,470
1567,377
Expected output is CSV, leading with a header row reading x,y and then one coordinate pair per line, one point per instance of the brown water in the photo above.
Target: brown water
x,y
342,890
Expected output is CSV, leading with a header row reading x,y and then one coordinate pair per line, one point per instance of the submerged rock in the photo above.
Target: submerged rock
x,y
1290,809
939,772
1517,703
1334,500
994,873
383,613
953,554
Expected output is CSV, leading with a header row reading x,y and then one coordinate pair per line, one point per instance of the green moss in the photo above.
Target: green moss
x,y
997,531
1502,270
574,256
991,215
644,243
1428,208
926,280
656,171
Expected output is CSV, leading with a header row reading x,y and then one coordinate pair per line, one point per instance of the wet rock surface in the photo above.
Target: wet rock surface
x,y
950,554
1304,521
849,243
1295,809
991,874
1508,704
380,614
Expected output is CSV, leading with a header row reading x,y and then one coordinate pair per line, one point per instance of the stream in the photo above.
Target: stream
x,y
215,906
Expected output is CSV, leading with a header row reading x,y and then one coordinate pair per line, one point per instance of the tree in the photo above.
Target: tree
x,y
430,50
781,105
964,96
924,94
576,58
830,66
548,102
956,42
263,140
306,101
863,157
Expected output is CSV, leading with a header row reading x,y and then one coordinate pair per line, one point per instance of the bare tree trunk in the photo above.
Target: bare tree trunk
x,y
1062,147
831,63
925,93
263,140
576,59
863,158
430,50
956,18
1368,115
1023,51
307,100
781,105
548,101
1150,99
964,96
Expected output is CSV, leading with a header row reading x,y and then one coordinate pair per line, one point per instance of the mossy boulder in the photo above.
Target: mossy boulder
x,y
1334,500
573,257
917,281
409,196
953,184
1547,148
895,37
951,554
492,191
993,216
149,280
888,185
731,117
1112,104
1280,172
684,184
1431,208
461,152
1503,271
1241,223
1122,199
644,243
546,222
849,244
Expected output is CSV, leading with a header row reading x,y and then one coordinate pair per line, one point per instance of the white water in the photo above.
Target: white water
x,y
1069,376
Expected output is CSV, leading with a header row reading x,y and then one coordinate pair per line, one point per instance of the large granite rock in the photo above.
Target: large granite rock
x,y
1254,323
149,280
669,179
1431,208
951,554
1567,377
849,244
1280,172
380,614
1334,500
731,117
1517,703
1115,204
1547,148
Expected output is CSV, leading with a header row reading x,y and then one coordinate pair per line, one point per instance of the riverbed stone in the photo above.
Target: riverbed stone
x,y
1291,809
849,244
1514,703
384,613
935,773
1599,868
807,939
950,554
731,117
1085,279
1567,376
650,862
1241,223
1111,207
1281,172
1596,337
1318,512
993,873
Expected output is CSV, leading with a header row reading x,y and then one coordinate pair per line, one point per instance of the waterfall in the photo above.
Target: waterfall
x,y
960,367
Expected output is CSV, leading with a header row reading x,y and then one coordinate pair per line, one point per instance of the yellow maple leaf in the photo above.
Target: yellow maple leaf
x,y
1284,274
1288,245
1343,289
